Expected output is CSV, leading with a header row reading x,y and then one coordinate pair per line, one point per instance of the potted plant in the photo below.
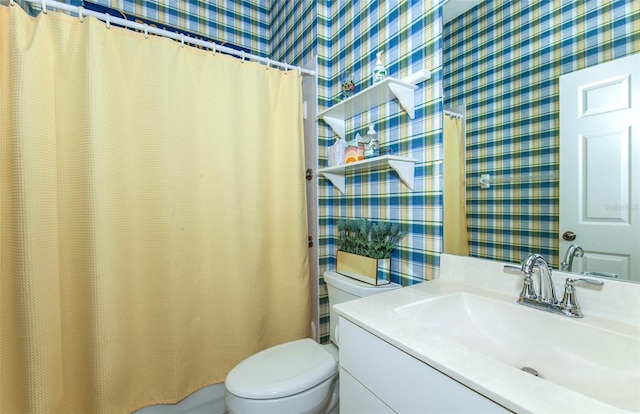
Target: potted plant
x,y
364,249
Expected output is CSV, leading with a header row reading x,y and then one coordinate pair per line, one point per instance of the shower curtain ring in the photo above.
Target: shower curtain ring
x,y
108,20
268,62
146,31
213,49
12,3
243,56
286,67
181,39
81,13
44,6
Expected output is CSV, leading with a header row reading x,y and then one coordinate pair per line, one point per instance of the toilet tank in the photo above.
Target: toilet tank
x,y
342,288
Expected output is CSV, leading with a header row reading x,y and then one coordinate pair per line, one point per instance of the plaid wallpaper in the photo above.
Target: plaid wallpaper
x,y
502,60
409,33
242,22
293,26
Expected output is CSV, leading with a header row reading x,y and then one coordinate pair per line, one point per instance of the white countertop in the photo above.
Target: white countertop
x,y
616,306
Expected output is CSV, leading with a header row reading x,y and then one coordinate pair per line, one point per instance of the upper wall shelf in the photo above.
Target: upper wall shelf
x,y
375,95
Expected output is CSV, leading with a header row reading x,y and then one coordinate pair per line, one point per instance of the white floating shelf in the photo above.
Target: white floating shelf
x,y
403,166
373,96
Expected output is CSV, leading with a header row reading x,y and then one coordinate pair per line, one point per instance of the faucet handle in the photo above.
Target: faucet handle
x,y
513,268
572,282
601,274
569,304
528,291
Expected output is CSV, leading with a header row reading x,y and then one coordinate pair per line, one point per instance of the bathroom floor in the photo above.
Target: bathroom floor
x,y
209,400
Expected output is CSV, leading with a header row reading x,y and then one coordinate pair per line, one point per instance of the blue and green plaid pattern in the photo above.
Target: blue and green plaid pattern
x,y
502,60
243,23
409,35
293,26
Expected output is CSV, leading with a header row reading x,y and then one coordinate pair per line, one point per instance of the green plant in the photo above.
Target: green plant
x,y
365,238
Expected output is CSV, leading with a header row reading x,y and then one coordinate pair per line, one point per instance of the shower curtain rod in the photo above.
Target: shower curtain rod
x,y
146,29
453,114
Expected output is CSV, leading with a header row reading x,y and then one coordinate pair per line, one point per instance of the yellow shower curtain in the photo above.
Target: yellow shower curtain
x,y
456,240
152,215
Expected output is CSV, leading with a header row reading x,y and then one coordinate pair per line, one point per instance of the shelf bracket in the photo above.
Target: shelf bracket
x,y
405,170
337,124
416,77
337,179
405,97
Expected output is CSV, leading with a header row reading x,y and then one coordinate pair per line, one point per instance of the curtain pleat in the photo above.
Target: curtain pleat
x,y
153,215
456,239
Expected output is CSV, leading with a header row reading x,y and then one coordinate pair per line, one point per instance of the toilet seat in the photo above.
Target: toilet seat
x,y
281,371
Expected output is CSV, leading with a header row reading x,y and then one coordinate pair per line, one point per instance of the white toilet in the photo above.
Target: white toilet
x,y
300,376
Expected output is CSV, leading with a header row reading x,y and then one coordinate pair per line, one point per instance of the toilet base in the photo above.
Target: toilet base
x,y
334,407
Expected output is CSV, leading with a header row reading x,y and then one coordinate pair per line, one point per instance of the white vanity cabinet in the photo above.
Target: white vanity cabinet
x,y
359,398
377,377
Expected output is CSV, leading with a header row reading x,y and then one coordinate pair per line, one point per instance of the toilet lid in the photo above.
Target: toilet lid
x,y
281,371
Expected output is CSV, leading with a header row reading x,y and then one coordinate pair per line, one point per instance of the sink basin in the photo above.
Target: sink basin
x,y
590,360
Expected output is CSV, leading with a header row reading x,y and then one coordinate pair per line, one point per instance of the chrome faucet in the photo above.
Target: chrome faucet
x,y
547,292
573,251
546,298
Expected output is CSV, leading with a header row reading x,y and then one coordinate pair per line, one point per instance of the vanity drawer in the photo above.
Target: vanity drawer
x,y
355,398
402,382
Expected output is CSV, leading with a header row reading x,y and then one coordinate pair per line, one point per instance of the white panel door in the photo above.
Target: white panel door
x,y
600,166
